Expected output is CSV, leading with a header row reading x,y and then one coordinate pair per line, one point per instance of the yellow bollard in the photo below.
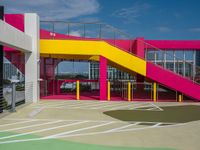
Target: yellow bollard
x,y
77,90
129,91
180,97
154,92
108,96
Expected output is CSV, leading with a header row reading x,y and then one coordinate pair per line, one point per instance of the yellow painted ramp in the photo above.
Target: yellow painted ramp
x,y
89,49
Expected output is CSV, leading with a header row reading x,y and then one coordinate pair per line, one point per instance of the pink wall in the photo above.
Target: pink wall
x,y
172,80
14,56
15,20
175,44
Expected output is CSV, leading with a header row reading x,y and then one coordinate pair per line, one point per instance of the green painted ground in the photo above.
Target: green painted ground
x,y
54,144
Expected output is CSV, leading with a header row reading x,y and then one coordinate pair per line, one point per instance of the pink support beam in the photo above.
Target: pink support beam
x,y
103,78
139,47
139,51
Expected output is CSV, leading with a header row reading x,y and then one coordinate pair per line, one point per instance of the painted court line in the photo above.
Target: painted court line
x,y
124,106
73,135
105,132
17,122
60,105
35,125
59,119
115,121
98,104
81,129
110,105
123,127
42,130
36,111
141,106
153,126
50,104
157,107
71,105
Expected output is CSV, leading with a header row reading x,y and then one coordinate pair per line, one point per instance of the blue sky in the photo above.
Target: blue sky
x,y
153,19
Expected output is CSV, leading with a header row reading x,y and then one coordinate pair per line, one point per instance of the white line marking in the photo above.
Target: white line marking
x,y
81,129
72,135
123,106
17,122
154,109
104,132
51,104
110,105
157,107
35,112
141,106
153,126
98,104
42,130
122,127
87,120
35,125
61,105
71,105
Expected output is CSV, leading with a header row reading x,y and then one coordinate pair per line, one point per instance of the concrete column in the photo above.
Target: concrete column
x,y
103,78
32,59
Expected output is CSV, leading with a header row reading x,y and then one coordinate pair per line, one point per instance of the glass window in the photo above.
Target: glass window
x,y
169,55
159,55
150,55
189,55
170,66
179,55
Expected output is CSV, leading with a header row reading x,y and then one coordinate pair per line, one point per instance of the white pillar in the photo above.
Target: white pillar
x,y
32,59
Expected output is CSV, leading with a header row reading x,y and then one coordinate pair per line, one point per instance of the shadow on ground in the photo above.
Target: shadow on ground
x,y
171,114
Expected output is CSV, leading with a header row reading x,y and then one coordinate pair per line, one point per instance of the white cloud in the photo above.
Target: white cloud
x,y
132,14
75,33
163,29
53,9
194,29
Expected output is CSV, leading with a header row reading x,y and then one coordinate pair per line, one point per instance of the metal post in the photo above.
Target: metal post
x,y
1,65
68,29
154,92
13,97
165,59
100,31
77,90
132,91
174,61
108,91
84,30
155,56
194,65
180,97
129,91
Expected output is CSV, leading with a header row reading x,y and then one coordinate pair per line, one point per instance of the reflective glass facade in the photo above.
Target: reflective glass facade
x,y
112,73
182,62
